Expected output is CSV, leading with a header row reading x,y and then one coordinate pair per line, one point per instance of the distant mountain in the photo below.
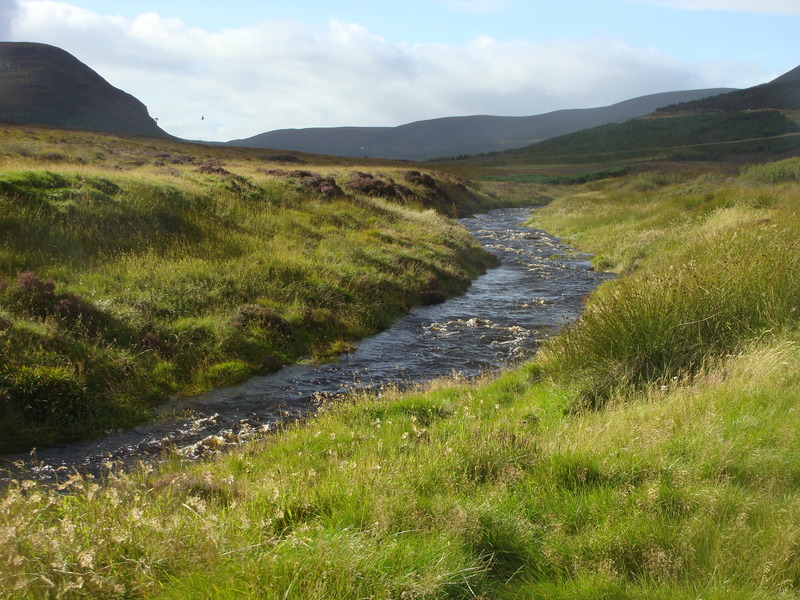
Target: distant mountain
x,y
454,136
44,84
755,122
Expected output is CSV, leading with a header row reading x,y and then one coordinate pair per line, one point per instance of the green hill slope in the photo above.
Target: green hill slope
x,y
123,282
759,121
702,135
781,93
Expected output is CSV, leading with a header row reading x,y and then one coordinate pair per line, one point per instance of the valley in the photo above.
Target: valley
x,y
645,448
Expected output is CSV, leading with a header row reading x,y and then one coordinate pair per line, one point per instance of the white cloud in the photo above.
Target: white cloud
x,y
9,9
274,75
778,7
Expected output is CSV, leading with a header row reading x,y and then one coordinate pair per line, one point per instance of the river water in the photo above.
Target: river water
x,y
538,285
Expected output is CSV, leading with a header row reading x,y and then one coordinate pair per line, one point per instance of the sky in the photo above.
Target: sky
x,y
218,71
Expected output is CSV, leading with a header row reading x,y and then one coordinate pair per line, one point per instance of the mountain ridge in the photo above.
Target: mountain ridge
x,y
760,121
452,136
781,93
793,75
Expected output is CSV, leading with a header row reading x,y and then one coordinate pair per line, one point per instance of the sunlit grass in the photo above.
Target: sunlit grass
x,y
162,270
721,273
459,490
681,483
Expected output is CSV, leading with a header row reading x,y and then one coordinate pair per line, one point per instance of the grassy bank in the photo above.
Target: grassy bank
x,y
123,282
712,263
681,483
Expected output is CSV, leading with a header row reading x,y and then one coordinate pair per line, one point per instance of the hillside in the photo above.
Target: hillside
x,y
454,136
136,268
680,136
793,75
44,84
759,122
782,93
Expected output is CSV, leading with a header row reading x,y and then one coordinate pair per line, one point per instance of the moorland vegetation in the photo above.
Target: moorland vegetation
x,y
648,451
683,136
134,269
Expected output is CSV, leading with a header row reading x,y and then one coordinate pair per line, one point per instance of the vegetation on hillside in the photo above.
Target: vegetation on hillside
x,y
679,481
782,95
683,130
169,273
567,179
744,136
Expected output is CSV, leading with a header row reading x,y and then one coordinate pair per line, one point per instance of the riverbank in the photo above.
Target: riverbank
x,y
156,268
536,286
668,474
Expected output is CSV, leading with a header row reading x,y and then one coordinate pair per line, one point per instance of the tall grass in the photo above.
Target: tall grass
x,y
785,171
118,290
456,491
713,264
734,285
683,485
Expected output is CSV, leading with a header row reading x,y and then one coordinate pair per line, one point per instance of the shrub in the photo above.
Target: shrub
x,y
37,297
260,316
783,171
213,168
35,294
314,182
309,181
417,178
283,158
369,185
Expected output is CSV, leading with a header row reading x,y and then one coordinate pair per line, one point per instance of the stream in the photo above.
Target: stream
x,y
497,322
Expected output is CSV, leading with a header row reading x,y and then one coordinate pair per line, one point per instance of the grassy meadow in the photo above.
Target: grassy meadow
x,y
134,269
649,451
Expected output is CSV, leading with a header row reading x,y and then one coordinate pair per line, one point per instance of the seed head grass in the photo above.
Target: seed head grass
x,y
682,482
477,488
725,275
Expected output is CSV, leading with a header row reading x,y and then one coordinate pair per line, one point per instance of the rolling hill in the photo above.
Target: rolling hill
x,y
781,93
453,136
46,85
761,121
